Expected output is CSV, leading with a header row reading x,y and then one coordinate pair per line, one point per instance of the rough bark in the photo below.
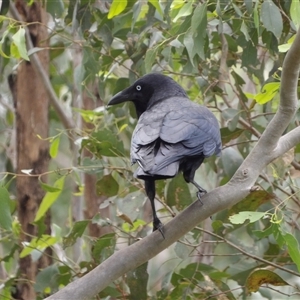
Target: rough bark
x,y
31,110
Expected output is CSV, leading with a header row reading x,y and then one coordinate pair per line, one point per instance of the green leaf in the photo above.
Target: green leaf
x,y
65,275
273,228
54,147
110,145
182,251
149,59
156,4
199,44
255,16
105,143
128,207
55,8
4,7
188,42
178,193
192,271
268,92
277,232
39,244
199,20
136,225
76,232
111,292
232,116
273,251
50,198
271,17
251,202
177,4
231,160
185,10
242,216
89,116
105,242
47,277
5,218
259,277
198,29
5,33
228,135
249,56
107,186
293,248
90,166
106,35
20,43
286,47
14,51
116,8
237,10
295,12
219,275
48,188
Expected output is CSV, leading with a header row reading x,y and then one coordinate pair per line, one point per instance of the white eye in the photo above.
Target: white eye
x,y
138,87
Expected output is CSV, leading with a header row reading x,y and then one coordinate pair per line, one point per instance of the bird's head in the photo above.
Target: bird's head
x,y
147,90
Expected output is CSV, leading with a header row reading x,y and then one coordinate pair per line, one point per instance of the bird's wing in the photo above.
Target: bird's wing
x,y
195,127
193,130
172,130
145,138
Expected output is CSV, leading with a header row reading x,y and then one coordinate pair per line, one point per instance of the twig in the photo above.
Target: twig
x,y
249,127
280,292
248,254
222,293
238,143
296,165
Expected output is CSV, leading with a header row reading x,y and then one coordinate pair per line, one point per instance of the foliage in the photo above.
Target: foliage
x,y
227,55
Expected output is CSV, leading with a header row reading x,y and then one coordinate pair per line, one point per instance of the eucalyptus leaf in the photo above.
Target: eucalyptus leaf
x,y
271,17
5,218
116,8
20,43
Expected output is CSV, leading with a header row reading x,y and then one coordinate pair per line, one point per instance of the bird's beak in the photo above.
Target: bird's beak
x,y
118,98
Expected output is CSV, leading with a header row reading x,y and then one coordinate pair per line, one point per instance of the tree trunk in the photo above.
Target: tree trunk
x,y
92,200
31,108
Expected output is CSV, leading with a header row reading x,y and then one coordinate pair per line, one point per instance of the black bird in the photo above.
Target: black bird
x,y
172,134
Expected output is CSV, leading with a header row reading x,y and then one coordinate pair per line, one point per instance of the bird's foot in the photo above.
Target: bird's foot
x,y
157,225
201,193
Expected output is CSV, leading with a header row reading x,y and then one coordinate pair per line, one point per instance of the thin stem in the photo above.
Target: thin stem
x,y
267,262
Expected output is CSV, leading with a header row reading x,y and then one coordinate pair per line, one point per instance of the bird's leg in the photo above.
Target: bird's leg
x,y
150,191
201,191
189,174
190,168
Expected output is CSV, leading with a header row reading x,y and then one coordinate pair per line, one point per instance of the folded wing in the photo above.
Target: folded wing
x,y
170,131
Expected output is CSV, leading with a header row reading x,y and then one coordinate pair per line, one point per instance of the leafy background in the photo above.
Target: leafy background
x,y
227,55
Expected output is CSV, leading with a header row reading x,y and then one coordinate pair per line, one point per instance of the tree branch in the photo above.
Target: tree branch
x,y
270,146
287,141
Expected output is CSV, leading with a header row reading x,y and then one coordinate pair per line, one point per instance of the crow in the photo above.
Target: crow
x,y
172,134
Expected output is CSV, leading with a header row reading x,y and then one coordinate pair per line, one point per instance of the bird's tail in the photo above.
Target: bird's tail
x,y
162,173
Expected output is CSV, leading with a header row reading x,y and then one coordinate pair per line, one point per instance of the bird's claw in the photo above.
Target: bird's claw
x,y
157,225
201,193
